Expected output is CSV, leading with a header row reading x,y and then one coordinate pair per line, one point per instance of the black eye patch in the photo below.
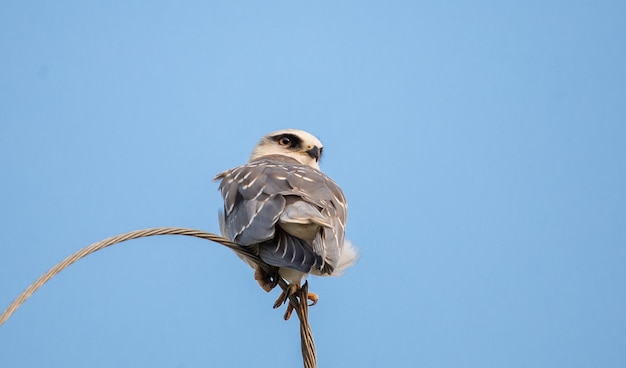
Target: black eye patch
x,y
288,140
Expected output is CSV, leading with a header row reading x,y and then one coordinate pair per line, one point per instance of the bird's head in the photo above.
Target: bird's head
x,y
297,144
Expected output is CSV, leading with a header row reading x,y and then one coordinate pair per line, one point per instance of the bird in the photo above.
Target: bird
x,y
283,209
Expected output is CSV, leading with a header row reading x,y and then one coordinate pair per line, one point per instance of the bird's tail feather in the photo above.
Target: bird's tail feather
x,y
349,256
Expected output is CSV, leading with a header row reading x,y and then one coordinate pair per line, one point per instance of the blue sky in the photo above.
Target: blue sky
x,y
480,145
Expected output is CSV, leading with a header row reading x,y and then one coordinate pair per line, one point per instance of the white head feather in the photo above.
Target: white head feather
x,y
297,144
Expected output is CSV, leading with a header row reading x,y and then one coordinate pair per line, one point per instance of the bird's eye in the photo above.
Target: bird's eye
x,y
284,141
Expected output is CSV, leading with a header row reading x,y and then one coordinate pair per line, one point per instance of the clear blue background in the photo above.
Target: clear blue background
x,y
481,145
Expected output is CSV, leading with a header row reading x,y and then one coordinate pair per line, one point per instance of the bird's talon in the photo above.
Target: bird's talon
x,y
313,298
281,300
285,294
284,298
288,312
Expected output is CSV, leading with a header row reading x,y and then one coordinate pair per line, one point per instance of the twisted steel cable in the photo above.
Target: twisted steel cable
x,y
299,301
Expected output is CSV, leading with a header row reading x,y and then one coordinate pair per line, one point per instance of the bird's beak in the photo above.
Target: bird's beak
x,y
314,153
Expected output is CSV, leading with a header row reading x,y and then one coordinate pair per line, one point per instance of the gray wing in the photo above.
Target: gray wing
x,y
257,194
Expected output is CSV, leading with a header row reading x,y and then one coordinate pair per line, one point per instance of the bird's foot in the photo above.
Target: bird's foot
x,y
266,280
294,289
285,294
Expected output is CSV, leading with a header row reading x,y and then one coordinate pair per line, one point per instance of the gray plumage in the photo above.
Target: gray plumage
x,y
283,208
292,214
